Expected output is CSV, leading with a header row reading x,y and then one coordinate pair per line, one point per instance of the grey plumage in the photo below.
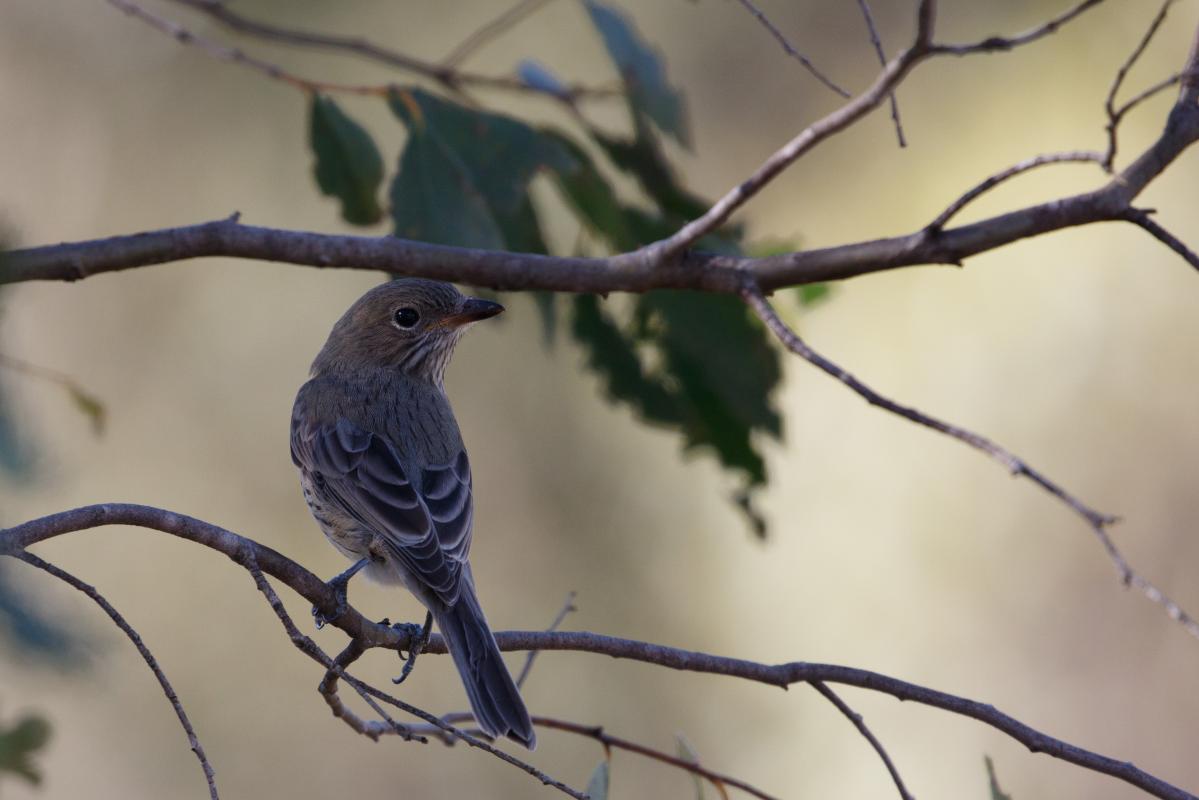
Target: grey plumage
x,y
386,475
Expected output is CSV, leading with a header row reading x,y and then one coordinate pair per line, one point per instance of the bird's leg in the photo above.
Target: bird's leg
x,y
339,585
418,638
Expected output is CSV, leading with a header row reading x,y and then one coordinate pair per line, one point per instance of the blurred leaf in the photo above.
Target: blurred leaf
x,y
547,309
16,450
90,406
688,754
348,165
21,622
725,368
642,158
538,77
18,745
642,70
744,501
996,792
811,294
597,787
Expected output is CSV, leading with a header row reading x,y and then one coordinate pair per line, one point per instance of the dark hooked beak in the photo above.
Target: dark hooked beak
x,y
473,310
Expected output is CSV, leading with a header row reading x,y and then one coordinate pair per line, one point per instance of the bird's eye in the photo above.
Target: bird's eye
x,y
407,317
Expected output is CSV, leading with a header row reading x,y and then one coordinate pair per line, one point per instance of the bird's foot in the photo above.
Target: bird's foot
x,y
418,637
340,585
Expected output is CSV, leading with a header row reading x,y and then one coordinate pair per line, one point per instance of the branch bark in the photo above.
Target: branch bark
x,y
253,556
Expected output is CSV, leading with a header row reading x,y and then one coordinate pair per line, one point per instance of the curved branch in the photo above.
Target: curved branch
x,y
252,555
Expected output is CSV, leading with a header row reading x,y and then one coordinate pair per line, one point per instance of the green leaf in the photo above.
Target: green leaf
x,y
996,792
547,309
597,787
725,368
590,195
348,165
611,355
19,744
811,294
642,70
642,157
688,754
464,175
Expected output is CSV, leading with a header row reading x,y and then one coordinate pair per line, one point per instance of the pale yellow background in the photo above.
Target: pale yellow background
x,y
891,548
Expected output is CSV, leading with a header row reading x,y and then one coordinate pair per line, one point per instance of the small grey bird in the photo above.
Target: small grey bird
x,y
386,476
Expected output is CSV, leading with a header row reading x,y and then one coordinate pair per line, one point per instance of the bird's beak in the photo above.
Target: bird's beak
x,y
473,310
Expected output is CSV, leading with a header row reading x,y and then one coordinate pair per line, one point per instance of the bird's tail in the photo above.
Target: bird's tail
x,y
493,695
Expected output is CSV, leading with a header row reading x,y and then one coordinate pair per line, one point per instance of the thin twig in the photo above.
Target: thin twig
x,y
237,56
600,735
85,400
1001,176
312,650
860,724
993,44
566,609
451,79
1141,218
1098,522
790,50
246,552
864,5
1109,104
147,656
492,29
370,728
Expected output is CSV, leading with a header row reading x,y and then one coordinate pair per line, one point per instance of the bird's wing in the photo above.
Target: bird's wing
x,y
424,518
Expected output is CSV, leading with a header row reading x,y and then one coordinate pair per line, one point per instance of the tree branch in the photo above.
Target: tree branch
x,y
790,50
1097,521
860,723
864,6
142,649
252,556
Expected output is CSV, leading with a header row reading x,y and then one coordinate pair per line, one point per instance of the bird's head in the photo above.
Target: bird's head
x,y
408,324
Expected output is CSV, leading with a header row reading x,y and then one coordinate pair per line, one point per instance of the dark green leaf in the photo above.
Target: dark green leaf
x,y
590,195
611,354
597,787
642,71
18,745
348,165
464,175
90,406
642,158
725,368
996,792
744,501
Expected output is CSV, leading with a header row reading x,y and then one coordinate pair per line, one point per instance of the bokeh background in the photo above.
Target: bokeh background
x,y
891,548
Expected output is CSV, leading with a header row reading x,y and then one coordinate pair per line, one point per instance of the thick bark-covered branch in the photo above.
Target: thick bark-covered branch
x,y
254,556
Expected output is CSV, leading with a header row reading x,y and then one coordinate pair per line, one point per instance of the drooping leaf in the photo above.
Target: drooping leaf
x,y
464,175
590,195
811,294
688,754
20,743
642,70
642,157
611,355
16,450
725,368
597,787
993,781
547,309
348,164
90,406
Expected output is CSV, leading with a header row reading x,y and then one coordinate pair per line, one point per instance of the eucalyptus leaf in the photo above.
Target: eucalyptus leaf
x,y
597,787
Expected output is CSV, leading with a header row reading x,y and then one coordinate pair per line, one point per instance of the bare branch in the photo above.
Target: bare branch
x,y
864,5
491,29
448,77
147,656
1098,522
860,724
790,50
1109,105
313,651
567,608
251,555
994,44
236,56
597,733
1142,219
372,729
1001,176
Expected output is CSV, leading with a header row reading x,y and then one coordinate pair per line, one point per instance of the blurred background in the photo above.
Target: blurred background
x,y
890,548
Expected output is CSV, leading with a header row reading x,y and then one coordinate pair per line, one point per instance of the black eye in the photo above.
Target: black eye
x,y
407,317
